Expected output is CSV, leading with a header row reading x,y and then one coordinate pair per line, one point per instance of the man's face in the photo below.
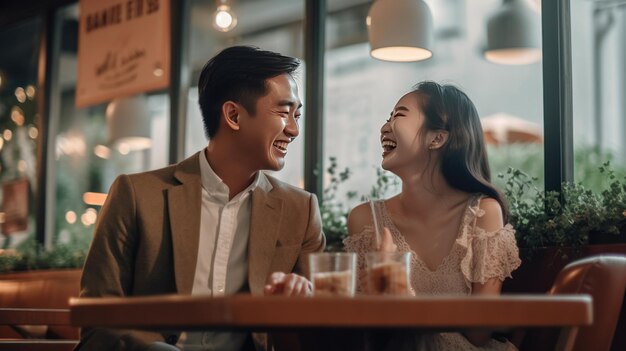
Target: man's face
x,y
265,137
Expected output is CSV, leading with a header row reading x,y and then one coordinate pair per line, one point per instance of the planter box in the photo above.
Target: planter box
x,y
538,272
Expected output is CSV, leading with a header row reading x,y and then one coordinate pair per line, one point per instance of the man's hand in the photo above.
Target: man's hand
x,y
279,283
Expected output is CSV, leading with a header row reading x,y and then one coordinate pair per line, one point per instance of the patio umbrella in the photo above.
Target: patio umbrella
x,y
502,128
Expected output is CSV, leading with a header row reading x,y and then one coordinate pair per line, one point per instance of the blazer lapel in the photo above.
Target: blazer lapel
x,y
264,225
184,204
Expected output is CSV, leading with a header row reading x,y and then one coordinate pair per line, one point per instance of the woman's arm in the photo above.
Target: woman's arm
x,y
491,221
491,287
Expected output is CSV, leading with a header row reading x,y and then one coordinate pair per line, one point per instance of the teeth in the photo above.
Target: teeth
x,y
389,144
281,145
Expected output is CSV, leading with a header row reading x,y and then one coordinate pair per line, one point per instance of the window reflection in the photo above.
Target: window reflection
x,y
360,91
599,88
19,131
93,145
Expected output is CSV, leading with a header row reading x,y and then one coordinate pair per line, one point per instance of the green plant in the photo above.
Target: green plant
x,y
334,212
29,255
529,158
577,217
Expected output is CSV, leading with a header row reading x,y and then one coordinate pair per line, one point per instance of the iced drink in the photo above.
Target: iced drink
x,y
388,279
333,274
333,283
388,273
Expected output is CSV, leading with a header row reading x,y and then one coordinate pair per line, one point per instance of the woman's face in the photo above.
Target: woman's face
x,y
402,142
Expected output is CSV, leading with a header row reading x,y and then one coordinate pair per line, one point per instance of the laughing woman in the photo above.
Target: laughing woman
x,y
448,214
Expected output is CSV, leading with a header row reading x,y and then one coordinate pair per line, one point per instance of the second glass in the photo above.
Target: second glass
x,y
388,273
333,274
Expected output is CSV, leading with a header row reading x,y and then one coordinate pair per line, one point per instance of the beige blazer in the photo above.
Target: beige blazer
x,y
146,241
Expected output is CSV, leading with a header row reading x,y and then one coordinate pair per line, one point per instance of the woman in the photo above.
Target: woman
x,y
448,214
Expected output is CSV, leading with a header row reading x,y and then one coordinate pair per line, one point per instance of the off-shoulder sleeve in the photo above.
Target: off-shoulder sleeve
x,y
360,243
489,254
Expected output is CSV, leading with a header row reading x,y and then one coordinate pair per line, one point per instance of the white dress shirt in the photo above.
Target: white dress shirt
x,y
222,265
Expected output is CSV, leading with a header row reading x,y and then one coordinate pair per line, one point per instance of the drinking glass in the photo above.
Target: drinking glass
x,y
388,273
333,274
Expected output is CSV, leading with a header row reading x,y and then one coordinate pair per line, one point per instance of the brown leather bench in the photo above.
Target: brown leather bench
x,y
38,296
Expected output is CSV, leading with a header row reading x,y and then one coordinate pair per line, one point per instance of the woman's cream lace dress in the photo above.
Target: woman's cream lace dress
x,y
476,256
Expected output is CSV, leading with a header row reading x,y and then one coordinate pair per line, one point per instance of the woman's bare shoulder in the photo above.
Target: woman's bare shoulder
x,y
359,217
492,217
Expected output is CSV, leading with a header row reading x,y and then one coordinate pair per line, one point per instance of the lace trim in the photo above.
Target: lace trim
x,y
488,254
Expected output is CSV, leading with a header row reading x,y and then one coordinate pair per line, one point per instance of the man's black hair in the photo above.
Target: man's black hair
x,y
238,74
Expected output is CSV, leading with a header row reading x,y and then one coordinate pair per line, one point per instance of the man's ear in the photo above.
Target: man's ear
x,y
230,112
438,139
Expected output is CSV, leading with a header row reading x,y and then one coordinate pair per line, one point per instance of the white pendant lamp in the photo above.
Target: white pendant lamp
x,y
514,34
128,122
400,30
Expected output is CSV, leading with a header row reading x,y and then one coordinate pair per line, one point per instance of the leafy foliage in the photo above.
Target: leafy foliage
x,y
29,255
577,217
334,212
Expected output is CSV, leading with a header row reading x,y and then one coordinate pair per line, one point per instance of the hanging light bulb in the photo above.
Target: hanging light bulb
x,y
224,18
514,34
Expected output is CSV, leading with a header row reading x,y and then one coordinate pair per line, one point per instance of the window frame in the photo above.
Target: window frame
x,y
557,95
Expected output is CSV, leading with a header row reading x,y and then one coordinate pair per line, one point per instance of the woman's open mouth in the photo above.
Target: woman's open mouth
x,y
388,147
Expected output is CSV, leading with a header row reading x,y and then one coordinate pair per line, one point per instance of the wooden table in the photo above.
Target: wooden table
x,y
175,312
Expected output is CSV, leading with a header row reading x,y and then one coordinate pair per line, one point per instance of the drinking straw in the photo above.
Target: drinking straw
x,y
378,237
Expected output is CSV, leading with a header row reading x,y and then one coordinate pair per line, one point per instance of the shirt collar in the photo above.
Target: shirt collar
x,y
214,185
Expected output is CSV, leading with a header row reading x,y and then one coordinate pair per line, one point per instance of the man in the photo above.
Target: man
x,y
212,224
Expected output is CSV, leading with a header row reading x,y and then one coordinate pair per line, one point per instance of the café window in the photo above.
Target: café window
x,y
361,91
19,131
599,89
95,144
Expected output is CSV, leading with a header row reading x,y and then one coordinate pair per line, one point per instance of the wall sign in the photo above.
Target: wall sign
x,y
123,49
